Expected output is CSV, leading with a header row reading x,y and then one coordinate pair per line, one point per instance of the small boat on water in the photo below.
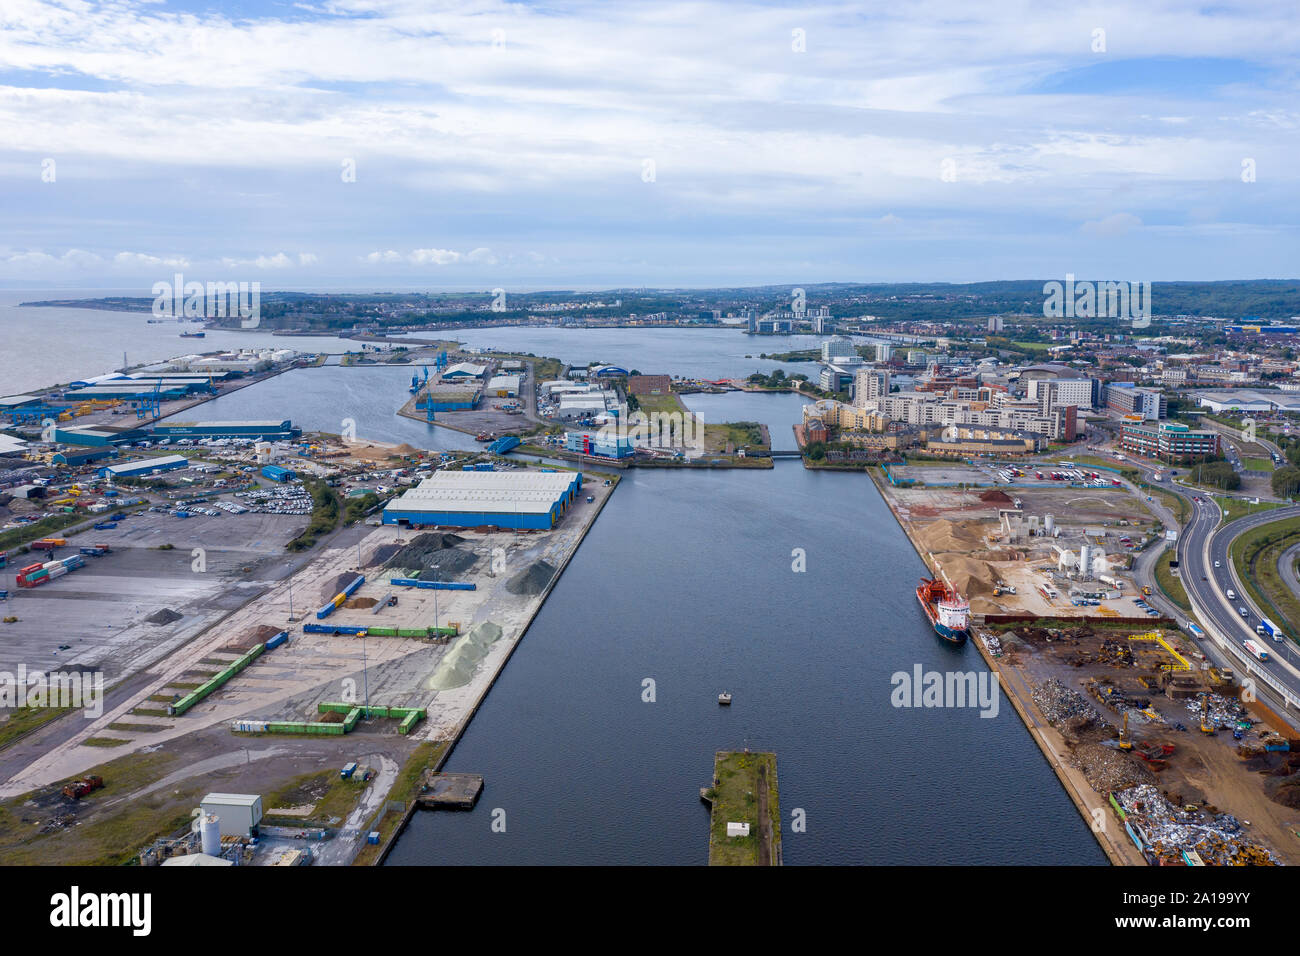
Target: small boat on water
x,y
947,610
724,699
193,335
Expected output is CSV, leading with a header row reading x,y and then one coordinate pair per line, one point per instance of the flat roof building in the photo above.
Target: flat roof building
x,y
140,467
504,386
464,370
98,435
1168,441
504,499
84,457
1247,400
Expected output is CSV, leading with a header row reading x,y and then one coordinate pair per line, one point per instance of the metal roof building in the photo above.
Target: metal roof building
x,y
504,386
143,466
464,370
98,435
533,500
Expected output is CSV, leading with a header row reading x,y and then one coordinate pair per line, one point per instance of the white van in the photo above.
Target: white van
x,y
1231,595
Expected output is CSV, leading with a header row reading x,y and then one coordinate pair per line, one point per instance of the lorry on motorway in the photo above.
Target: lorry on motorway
x,y
1267,628
1195,630
1255,650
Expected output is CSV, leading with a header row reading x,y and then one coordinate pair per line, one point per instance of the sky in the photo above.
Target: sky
x,y
414,144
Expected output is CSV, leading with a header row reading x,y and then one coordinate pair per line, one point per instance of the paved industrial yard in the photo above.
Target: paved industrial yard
x,y
101,610
289,681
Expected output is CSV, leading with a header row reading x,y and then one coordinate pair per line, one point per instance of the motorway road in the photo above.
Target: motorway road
x,y
1201,542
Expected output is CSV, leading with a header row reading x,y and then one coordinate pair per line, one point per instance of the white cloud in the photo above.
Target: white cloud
x,y
434,257
139,260
747,135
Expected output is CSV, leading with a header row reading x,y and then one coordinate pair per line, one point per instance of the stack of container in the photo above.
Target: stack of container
x,y
37,574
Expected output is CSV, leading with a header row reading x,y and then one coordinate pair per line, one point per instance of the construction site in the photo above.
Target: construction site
x,y
1045,552
1165,756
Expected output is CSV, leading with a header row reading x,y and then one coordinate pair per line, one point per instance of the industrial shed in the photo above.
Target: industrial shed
x,y
141,467
528,500
99,436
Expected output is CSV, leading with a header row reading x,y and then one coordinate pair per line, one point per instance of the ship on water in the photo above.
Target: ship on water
x,y
948,611
193,335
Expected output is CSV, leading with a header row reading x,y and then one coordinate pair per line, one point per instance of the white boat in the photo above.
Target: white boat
x,y
724,698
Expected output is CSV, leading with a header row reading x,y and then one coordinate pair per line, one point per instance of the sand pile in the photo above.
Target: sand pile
x,y
374,452
457,667
946,535
532,580
361,602
164,616
972,577
996,497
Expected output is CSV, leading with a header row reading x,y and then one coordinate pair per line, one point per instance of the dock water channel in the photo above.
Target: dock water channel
x,y
595,739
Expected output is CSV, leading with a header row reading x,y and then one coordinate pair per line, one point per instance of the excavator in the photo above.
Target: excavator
x,y
1207,726
1125,742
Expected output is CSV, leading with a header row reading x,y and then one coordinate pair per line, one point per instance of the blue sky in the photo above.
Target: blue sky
x,y
590,144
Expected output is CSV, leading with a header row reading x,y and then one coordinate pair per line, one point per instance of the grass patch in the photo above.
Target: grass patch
x,y
139,728
148,712
1255,555
1232,510
324,515
735,799
1170,585
426,756
1176,503
104,742
1257,464
332,797
103,838
23,720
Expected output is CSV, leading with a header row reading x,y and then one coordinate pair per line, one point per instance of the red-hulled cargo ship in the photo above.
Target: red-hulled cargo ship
x,y
948,611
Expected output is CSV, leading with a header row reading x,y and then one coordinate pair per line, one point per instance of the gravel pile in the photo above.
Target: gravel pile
x,y
436,551
532,580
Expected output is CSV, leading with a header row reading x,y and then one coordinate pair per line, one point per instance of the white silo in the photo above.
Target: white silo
x,y
1085,556
1049,525
210,834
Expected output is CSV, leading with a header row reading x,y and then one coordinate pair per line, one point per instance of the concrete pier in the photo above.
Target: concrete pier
x,y
450,791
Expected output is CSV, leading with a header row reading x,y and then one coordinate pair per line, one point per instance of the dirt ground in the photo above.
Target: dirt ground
x,y
1205,770
961,530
